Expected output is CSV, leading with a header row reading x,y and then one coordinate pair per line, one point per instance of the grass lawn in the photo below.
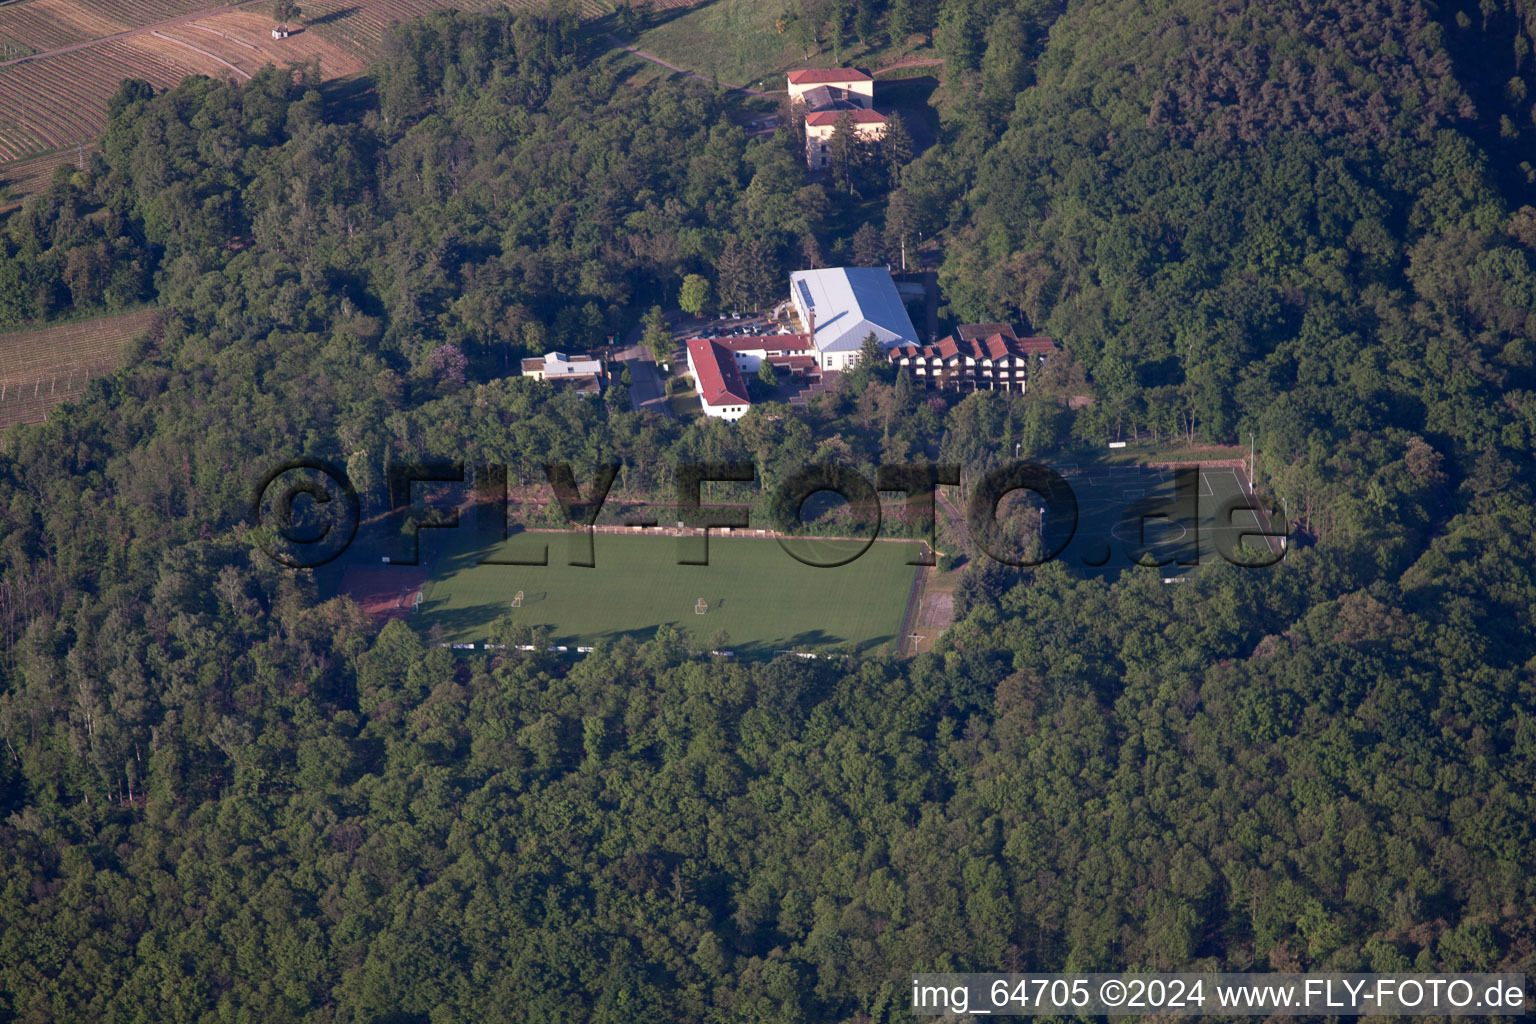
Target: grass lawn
x,y
1142,452
761,597
739,43
734,41
685,405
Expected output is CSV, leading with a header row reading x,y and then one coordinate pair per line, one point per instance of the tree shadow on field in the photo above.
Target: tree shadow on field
x,y
327,17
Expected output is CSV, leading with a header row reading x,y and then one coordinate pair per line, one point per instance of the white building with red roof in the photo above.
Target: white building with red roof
x,y
868,127
819,87
828,93
722,391
791,352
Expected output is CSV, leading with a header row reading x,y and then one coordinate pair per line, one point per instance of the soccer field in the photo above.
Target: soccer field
x,y
757,593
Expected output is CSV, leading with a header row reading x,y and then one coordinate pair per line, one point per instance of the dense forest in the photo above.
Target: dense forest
x,y
224,796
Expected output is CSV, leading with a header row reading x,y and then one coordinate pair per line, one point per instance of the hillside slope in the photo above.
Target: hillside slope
x,y
1243,219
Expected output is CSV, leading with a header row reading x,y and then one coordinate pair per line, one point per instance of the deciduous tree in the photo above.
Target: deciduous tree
x,y
694,294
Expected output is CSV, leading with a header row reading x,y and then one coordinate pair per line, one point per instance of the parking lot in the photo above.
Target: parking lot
x,y
731,327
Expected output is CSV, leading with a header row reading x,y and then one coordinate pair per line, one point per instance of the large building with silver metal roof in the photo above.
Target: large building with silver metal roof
x,y
841,306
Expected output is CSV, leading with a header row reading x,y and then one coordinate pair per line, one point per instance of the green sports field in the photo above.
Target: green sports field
x,y
765,600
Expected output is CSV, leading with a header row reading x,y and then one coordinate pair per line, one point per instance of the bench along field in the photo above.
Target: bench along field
x,y
41,368
764,600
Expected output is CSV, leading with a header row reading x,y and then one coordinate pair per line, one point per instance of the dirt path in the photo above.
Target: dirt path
x,y
84,44
956,520
915,62
198,49
684,71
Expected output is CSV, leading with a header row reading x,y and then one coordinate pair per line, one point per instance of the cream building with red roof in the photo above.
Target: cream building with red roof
x,y
818,88
827,94
868,125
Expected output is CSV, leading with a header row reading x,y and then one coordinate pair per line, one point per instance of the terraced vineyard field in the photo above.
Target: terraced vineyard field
x,y
32,174
42,25
41,368
242,43
57,102
360,27
53,100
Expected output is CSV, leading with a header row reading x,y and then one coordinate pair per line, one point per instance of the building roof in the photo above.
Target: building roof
x,y
819,97
767,343
828,97
969,331
858,116
819,76
581,383
980,342
555,364
849,303
715,373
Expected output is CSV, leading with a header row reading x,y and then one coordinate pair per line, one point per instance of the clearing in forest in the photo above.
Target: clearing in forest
x,y
760,596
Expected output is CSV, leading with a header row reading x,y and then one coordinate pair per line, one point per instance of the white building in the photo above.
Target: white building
x,y
841,306
580,372
868,127
821,88
827,94
792,353
722,392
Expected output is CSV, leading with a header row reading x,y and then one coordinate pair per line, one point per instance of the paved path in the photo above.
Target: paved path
x,y
646,389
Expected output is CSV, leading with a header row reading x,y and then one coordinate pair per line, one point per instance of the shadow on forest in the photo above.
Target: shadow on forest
x,y
348,99
913,99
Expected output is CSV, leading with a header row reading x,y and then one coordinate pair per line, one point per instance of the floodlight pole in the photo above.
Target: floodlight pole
x,y
1252,482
